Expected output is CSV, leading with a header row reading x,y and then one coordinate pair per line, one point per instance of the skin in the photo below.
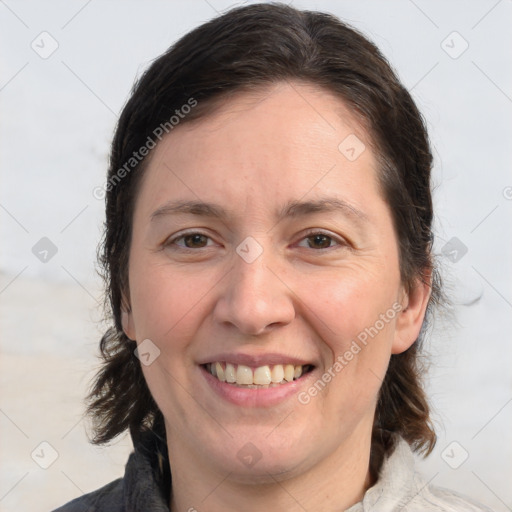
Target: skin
x,y
304,297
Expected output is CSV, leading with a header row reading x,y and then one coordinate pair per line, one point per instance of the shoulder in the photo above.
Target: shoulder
x,y
423,496
145,486
107,499
435,498
400,488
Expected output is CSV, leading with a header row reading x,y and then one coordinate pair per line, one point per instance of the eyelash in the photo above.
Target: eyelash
x,y
339,242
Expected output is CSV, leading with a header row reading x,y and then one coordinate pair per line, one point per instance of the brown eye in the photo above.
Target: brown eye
x,y
319,241
194,241
190,241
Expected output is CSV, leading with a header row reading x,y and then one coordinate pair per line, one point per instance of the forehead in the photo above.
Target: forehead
x,y
278,142
287,107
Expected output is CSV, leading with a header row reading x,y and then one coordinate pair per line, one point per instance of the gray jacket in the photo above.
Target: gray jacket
x,y
145,486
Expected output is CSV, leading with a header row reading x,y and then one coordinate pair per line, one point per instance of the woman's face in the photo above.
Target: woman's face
x,y
263,251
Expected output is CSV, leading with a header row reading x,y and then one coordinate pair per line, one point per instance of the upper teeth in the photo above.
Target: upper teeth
x,y
261,376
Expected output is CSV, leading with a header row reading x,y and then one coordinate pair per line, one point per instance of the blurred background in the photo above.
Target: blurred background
x,y
66,69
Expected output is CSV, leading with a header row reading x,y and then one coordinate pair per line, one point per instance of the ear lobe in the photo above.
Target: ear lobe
x,y
410,319
127,316
127,323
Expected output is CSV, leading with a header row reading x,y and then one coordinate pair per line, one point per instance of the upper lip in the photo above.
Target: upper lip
x,y
255,360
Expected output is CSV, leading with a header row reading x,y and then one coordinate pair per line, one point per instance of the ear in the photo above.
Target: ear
x,y
410,318
127,319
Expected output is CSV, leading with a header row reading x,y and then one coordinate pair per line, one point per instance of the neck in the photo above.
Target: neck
x,y
336,483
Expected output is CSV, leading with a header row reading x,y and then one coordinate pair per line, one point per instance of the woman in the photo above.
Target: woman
x,y
268,261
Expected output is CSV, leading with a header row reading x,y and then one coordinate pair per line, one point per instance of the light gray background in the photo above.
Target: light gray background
x,y
57,118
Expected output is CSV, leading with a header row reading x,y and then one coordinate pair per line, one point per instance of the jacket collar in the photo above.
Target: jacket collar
x,y
147,479
395,484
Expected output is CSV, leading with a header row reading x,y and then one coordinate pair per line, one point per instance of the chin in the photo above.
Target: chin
x,y
264,472
258,460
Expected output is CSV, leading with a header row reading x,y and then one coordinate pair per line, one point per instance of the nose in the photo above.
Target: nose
x,y
255,298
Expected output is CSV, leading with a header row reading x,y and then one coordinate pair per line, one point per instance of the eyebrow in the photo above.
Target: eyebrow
x,y
198,208
292,209
323,205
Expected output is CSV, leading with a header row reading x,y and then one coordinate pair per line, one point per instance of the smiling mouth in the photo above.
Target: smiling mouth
x,y
240,375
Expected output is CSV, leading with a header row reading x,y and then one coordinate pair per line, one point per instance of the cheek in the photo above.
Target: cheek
x,y
165,304
168,306
354,315
349,303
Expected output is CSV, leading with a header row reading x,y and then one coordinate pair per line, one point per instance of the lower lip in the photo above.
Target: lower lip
x,y
256,397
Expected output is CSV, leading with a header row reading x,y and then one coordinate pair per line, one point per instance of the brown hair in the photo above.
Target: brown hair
x,y
247,48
